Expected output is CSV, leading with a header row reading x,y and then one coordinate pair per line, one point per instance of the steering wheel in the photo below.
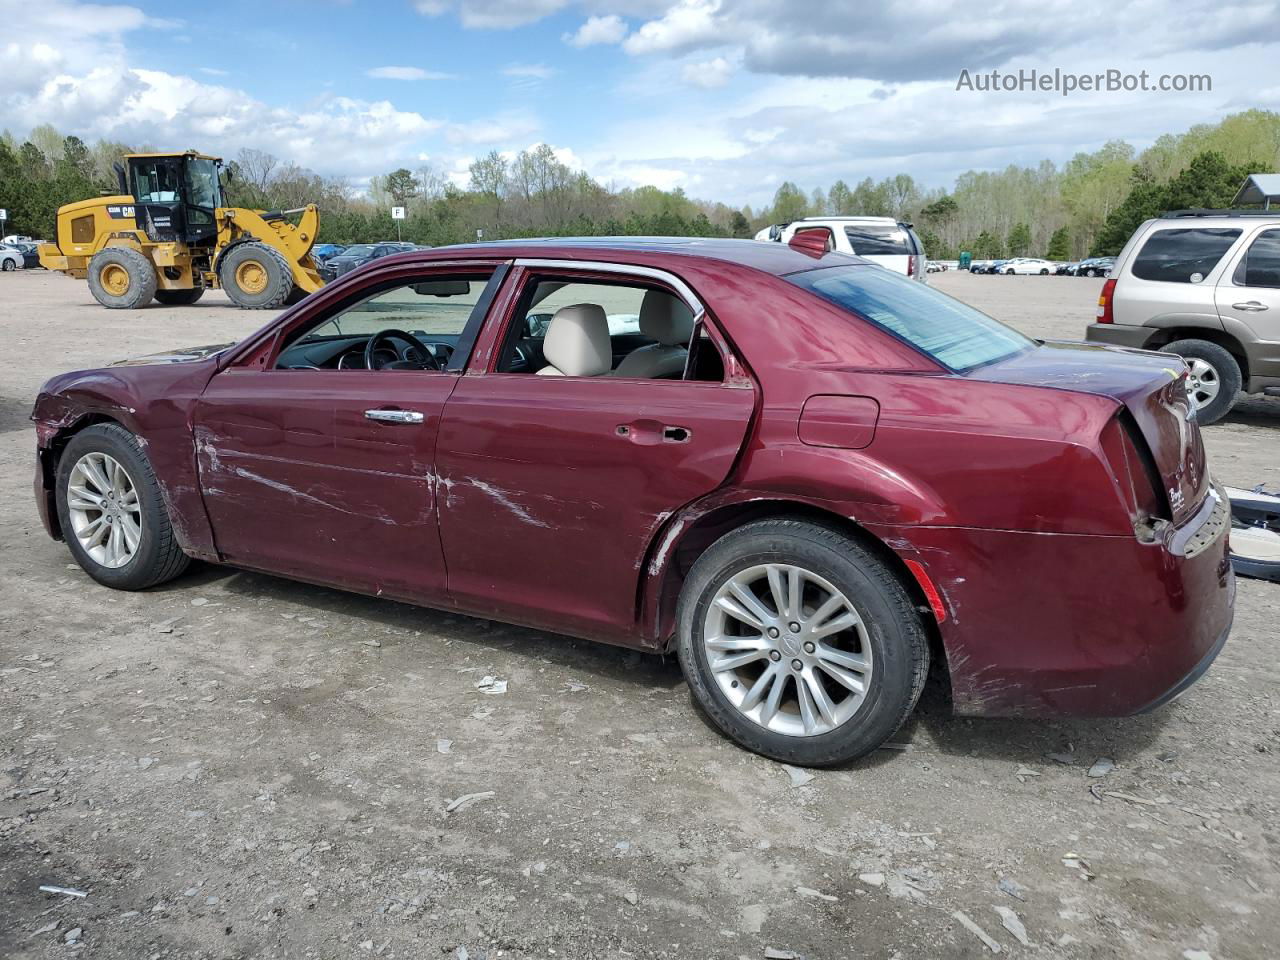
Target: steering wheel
x,y
428,361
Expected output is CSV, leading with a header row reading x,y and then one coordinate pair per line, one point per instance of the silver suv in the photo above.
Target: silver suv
x,y
1204,284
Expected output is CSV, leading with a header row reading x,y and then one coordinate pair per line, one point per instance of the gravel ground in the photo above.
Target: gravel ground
x,y
238,766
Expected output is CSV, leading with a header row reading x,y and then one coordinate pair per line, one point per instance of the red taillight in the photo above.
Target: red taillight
x,y
1105,312
911,266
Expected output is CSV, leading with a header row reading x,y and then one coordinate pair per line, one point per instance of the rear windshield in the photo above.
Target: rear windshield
x,y
1183,256
953,333
878,239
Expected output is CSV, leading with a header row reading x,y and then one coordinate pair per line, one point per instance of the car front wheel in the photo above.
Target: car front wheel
x,y
111,512
799,643
1214,378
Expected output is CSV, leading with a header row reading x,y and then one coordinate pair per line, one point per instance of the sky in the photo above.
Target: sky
x,y
723,98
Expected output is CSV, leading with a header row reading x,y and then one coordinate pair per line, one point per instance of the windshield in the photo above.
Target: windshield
x,y
951,332
359,250
202,183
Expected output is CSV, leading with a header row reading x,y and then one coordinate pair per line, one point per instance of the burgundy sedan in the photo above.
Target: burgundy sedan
x,y
806,475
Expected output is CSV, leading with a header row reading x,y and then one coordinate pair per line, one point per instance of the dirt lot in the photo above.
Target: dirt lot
x,y
238,766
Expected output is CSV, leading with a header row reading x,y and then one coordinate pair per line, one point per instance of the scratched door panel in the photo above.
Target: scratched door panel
x,y
547,508
297,480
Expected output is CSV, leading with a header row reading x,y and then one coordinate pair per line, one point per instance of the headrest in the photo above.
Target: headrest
x,y
665,318
577,341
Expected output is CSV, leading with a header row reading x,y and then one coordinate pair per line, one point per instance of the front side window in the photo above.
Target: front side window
x,y
202,183
1261,264
878,240
1186,255
407,326
953,333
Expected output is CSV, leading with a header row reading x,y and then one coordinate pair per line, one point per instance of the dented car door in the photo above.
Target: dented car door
x,y
325,476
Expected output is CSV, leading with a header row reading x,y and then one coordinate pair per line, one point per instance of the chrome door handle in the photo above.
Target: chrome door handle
x,y
1250,306
394,416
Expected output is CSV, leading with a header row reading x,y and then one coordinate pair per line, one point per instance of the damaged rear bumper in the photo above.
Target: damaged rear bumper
x,y
1077,625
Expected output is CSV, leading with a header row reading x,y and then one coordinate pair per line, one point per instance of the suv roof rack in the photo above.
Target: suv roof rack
x,y
1205,212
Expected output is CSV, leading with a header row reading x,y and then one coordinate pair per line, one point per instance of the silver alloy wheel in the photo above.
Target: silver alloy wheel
x,y
1203,382
788,649
102,502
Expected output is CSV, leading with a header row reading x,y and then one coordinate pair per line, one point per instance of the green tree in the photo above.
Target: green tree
x,y
1059,245
840,199
1019,242
739,225
789,203
402,185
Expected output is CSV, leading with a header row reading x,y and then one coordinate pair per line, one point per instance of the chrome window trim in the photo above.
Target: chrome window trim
x,y
625,269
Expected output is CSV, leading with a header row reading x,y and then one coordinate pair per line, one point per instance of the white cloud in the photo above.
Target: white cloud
x,y
534,71
492,14
708,74
406,73
686,25
491,132
597,30
214,72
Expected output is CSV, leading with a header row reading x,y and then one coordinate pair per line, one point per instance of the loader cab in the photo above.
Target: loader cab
x,y
176,196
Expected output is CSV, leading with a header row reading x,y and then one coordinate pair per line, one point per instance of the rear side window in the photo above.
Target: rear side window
x,y
878,240
1183,256
953,333
1261,264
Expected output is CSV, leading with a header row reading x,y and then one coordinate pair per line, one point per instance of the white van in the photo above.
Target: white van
x,y
883,240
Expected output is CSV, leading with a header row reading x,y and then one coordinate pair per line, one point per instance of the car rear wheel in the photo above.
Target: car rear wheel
x,y
8,265
799,643
1214,380
111,513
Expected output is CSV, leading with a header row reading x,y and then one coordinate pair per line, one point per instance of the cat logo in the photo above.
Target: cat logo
x,y
1175,498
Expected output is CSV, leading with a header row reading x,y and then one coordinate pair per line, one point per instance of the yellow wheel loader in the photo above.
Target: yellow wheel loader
x,y
169,236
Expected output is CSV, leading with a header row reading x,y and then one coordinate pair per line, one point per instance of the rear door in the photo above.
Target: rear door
x,y
553,488
1248,295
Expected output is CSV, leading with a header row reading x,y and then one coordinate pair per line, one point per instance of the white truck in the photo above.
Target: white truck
x,y
891,243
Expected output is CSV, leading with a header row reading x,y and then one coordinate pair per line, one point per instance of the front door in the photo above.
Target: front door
x,y
552,488
1248,296
320,466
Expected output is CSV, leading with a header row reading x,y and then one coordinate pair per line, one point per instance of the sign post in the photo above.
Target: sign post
x,y
397,214
4,217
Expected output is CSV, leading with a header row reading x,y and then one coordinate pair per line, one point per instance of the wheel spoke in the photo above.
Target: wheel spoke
x,y
759,687
734,644
845,621
826,709
769,710
752,603
808,717
733,609
82,501
826,609
785,584
94,532
95,475
734,661
846,678
131,532
843,658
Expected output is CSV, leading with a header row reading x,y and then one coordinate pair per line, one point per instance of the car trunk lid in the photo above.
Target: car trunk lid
x,y
1151,386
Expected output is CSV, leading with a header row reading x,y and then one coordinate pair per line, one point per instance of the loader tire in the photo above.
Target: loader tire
x,y
255,276
179,298
121,278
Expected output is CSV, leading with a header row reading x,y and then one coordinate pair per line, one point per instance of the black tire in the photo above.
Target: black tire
x,y
1224,365
1091,272
899,644
277,279
140,287
1044,273
179,298
8,266
158,557
296,296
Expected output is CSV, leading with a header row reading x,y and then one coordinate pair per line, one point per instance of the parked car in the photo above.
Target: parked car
x,y
1095,267
765,475
1066,269
30,255
11,258
1205,286
1027,265
936,266
882,240
326,251
357,256
994,266
14,239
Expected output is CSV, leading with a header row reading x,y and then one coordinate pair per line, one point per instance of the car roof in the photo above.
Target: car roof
x,y
769,257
